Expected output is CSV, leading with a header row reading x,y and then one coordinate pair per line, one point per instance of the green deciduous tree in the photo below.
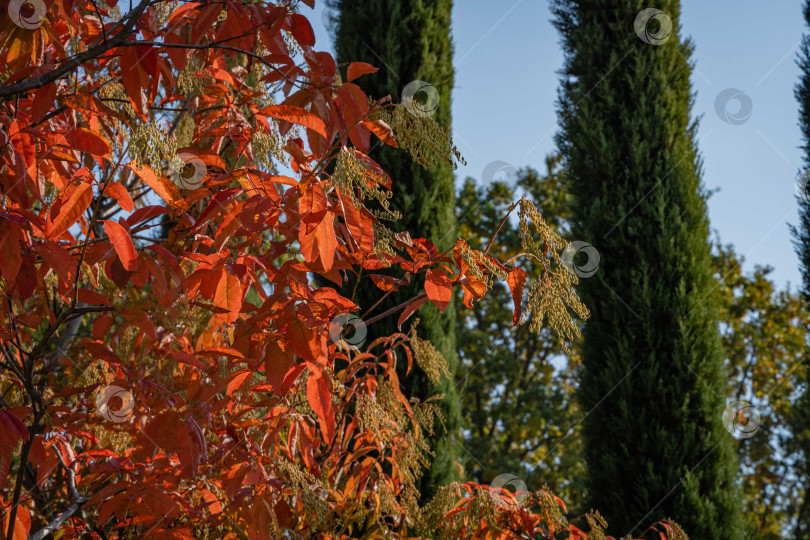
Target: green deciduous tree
x,y
410,41
763,338
652,377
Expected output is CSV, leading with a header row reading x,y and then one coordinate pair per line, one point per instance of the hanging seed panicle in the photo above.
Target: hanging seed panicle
x,y
427,357
115,96
429,143
305,485
383,240
431,516
553,294
479,263
192,80
597,525
358,181
267,149
152,146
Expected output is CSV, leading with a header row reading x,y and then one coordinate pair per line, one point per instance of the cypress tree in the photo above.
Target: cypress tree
x,y
652,383
409,40
801,236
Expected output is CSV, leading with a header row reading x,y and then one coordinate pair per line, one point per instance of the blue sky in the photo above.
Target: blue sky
x,y
507,56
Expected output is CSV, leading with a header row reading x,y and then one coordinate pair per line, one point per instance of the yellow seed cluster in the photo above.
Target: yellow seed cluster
x,y
164,10
184,132
431,516
428,358
192,80
116,98
267,150
358,181
152,146
307,487
429,144
383,239
553,294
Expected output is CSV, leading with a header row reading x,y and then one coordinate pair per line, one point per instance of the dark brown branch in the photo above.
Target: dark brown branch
x,y
394,309
78,501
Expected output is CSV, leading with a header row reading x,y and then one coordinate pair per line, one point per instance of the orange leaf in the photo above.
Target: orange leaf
x,y
319,241
410,310
296,115
122,243
320,399
382,130
357,69
228,295
135,79
85,140
438,288
120,194
517,284
161,185
387,283
71,211
302,30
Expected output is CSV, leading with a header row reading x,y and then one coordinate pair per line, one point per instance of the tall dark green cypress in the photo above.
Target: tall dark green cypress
x,y
409,40
652,381
801,236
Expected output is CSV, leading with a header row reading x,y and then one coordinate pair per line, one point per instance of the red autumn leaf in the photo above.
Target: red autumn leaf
x,y
277,362
302,30
438,287
122,242
86,141
296,115
516,279
319,242
135,80
409,310
10,254
164,187
70,212
382,130
182,436
320,399
12,430
228,295
356,69
120,194
387,283
306,342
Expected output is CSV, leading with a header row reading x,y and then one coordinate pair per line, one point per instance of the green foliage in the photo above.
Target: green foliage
x,y
763,337
407,41
652,378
